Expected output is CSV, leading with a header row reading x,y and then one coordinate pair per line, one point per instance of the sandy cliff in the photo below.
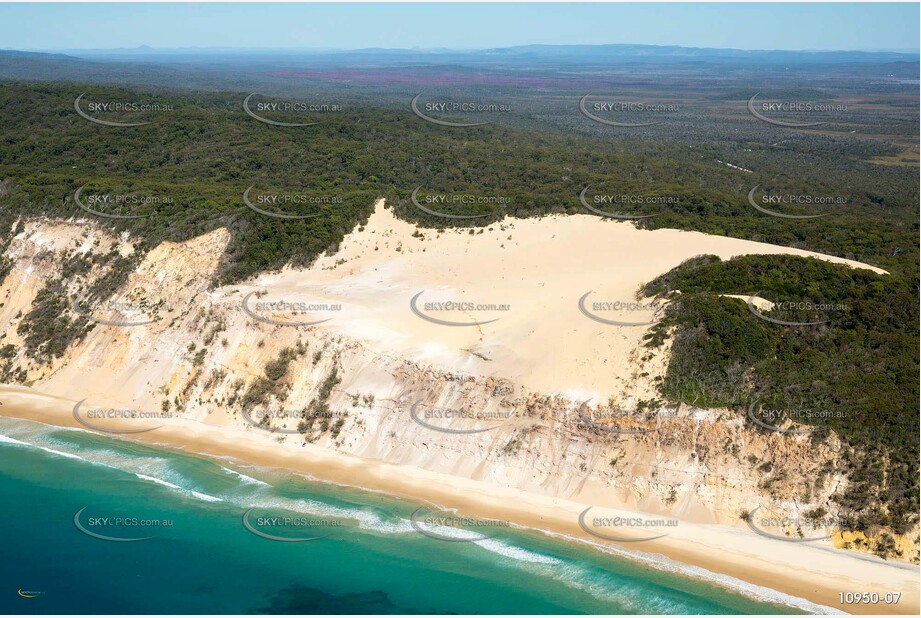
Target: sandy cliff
x,y
529,400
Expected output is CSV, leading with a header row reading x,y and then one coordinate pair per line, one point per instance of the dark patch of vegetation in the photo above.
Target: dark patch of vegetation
x,y
271,384
319,406
50,326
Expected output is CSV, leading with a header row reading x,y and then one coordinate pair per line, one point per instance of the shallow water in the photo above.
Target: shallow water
x,y
370,558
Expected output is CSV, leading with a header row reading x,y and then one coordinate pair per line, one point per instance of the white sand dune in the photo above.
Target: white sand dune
x,y
540,268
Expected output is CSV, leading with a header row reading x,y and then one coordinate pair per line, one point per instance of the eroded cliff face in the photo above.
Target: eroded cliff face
x,y
190,350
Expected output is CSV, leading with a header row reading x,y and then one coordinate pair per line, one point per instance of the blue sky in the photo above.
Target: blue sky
x,y
844,26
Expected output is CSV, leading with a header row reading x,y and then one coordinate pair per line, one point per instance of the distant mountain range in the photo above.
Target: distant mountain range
x,y
527,66
521,53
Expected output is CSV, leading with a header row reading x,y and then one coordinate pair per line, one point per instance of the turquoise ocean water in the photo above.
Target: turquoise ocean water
x,y
60,487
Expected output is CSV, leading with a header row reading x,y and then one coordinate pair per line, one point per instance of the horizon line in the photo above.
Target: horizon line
x,y
320,49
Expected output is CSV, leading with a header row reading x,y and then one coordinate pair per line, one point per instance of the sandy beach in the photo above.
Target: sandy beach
x,y
807,571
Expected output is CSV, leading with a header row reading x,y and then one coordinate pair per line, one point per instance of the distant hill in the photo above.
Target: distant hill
x,y
675,52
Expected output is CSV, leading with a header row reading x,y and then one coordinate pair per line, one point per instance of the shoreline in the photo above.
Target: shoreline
x,y
814,573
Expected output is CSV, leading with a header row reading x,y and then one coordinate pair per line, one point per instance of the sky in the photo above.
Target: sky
x,y
820,26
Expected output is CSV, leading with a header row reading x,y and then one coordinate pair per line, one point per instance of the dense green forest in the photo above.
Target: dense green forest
x,y
199,158
856,372
207,151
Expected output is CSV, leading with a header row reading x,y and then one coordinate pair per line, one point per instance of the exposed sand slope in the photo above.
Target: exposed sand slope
x,y
540,268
